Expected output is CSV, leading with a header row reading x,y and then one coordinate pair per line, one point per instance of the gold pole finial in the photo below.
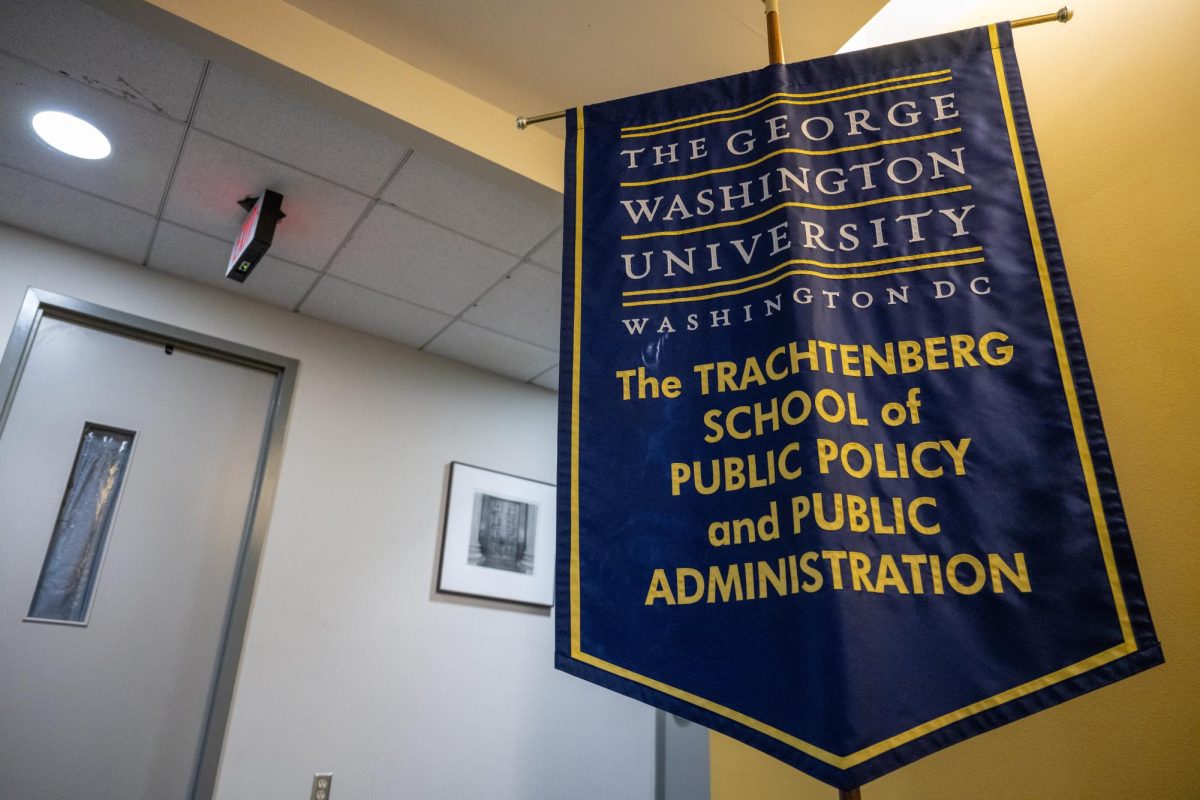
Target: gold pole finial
x,y
1064,14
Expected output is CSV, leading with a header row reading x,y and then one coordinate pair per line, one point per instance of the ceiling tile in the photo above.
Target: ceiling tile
x,y
104,53
397,254
335,300
541,55
285,128
470,344
144,143
52,210
550,254
525,305
213,175
202,258
470,205
547,380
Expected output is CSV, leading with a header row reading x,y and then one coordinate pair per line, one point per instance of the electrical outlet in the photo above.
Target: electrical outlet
x,y
322,783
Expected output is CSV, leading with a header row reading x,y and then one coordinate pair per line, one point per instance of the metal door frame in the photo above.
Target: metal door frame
x,y
38,304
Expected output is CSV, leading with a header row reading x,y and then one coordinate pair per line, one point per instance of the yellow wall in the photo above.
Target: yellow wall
x,y
1115,102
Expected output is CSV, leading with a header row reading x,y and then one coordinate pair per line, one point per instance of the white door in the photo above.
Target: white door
x,y
113,706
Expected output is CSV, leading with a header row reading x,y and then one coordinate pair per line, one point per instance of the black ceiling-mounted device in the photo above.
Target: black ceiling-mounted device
x,y
258,231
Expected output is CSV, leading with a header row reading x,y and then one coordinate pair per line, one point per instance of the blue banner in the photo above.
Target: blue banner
x,y
832,475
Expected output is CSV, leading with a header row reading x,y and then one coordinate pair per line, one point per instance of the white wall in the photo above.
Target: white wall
x,y
351,663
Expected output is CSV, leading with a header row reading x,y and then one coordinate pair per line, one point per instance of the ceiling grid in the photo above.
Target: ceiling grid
x,y
162,204
168,199
380,235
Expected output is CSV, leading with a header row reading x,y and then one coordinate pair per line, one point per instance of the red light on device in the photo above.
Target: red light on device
x,y
256,235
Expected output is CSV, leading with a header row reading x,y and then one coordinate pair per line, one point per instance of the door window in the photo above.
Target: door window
x,y
68,579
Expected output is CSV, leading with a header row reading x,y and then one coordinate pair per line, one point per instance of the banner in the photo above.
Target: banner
x,y
832,474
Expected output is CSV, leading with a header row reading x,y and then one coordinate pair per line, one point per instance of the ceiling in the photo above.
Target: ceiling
x,y
547,55
379,237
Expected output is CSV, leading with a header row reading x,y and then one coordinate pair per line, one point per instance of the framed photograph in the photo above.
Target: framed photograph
x,y
498,540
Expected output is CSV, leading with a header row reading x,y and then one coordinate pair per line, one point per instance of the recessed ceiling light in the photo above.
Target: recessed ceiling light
x,y
71,135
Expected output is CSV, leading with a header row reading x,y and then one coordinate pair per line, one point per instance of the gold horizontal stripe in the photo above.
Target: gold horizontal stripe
x,y
784,102
798,204
810,262
786,95
791,273
793,151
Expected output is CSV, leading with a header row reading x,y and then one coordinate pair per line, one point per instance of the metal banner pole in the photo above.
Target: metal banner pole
x,y
774,32
775,47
